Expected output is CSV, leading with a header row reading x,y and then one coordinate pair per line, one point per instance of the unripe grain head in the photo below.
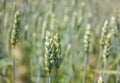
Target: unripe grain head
x,y
107,48
87,38
15,32
57,51
48,52
104,33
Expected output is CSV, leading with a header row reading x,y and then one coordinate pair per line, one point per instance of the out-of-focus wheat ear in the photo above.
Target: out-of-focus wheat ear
x,y
87,38
100,80
102,44
14,38
107,48
104,33
57,58
48,54
113,26
106,53
15,32
57,51
113,21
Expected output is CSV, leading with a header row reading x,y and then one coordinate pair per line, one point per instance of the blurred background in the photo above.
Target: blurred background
x,y
68,18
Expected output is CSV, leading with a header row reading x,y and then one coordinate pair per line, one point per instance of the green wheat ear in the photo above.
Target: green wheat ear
x,y
107,48
48,52
15,32
104,34
57,51
87,41
113,26
52,54
87,38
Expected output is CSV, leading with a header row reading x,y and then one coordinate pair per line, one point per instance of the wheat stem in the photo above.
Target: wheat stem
x,y
104,70
49,79
118,68
13,69
56,75
98,63
85,65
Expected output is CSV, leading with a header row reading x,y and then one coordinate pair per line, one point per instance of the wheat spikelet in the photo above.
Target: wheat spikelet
x,y
87,38
113,25
48,53
107,48
57,51
15,32
104,33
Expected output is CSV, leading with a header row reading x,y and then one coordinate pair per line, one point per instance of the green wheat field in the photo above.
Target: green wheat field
x,y
59,41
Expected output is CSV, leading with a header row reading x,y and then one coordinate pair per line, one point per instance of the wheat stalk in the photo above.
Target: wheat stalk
x,y
87,40
15,36
57,54
52,56
102,44
48,54
106,53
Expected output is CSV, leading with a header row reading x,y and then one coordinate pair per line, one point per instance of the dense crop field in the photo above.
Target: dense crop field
x,y
59,41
